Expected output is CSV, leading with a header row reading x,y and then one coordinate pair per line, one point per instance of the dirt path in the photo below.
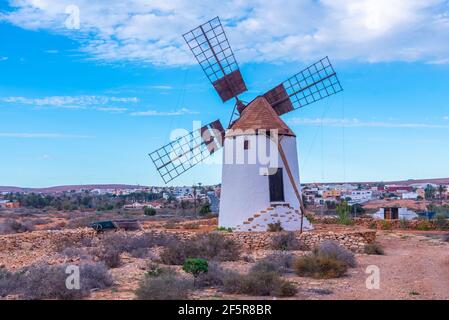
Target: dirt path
x,y
414,267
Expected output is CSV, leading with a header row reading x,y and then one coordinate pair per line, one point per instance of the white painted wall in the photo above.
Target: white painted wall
x,y
245,191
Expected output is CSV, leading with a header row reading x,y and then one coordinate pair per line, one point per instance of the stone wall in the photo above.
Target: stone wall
x,y
43,239
353,240
381,224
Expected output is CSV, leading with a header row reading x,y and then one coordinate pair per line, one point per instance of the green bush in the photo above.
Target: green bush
x,y
374,248
195,266
149,211
275,227
344,213
205,209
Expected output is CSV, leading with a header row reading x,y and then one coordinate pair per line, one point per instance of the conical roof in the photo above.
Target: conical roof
x,y
260,115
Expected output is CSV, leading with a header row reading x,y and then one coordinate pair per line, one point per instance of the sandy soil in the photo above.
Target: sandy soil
x,y
415,266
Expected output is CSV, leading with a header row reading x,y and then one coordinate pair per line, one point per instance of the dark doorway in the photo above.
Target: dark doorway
x,y
276,184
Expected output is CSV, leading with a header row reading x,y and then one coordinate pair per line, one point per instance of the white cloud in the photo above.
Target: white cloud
x,y
43,136
112,109
154,113
161,87
335,122
446,118
260,30
68,102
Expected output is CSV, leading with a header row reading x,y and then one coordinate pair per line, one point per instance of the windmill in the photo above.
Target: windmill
x,y
254,194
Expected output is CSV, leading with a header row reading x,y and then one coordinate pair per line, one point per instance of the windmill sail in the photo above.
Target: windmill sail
x,y
180,155
211,48
312,84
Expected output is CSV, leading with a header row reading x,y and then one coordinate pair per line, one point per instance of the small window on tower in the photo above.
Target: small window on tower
x,y
246,144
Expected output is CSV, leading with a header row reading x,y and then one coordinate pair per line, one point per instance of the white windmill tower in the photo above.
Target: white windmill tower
x,y
260,174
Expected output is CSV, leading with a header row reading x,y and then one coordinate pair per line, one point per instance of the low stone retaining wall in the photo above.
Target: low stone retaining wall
x,y
381,224
43,239
353,240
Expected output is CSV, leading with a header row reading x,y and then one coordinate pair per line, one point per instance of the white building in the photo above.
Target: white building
x,y
395,213
256,189
410,195
360,196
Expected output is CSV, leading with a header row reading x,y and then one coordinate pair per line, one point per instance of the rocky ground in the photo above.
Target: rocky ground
x,y
415,266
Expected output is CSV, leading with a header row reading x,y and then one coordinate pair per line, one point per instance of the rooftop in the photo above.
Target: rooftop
x,y
260,115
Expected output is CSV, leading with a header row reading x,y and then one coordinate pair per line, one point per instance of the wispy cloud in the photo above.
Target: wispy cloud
x,y
112,109
150,31
154,113
446,118
161,87
43,135
52,51
335,122
68,102
3,58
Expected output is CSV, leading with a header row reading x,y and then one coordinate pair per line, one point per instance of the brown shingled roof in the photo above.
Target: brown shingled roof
x,y
260,115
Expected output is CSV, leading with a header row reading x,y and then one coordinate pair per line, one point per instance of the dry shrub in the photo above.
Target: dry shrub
x,y
328,260
258,283
14,226
75,252
319,267
286,241
113,244
423,225
332,249
446,237
211,246
275,227
10,282
385,225
374,248
214,276
283,260
164,287
49,281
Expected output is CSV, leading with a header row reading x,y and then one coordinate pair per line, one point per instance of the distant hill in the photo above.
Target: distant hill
x,y
400,182
130,186
69,188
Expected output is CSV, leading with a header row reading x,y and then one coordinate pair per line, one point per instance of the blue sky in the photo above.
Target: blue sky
x,y
87,105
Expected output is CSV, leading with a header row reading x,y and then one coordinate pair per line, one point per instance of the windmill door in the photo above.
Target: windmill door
x,y
276,185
